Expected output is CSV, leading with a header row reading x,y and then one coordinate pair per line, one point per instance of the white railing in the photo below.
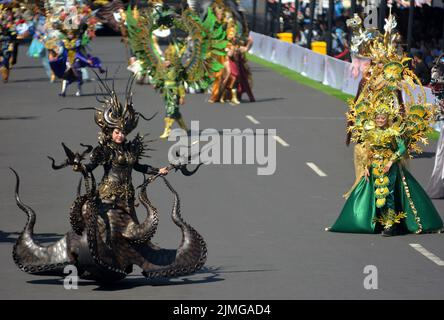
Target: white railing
x,y
328,70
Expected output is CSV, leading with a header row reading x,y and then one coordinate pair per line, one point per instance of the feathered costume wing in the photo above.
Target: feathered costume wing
x,y
196,54
109,14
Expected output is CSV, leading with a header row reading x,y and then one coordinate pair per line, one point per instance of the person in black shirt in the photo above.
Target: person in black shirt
x,y
420,68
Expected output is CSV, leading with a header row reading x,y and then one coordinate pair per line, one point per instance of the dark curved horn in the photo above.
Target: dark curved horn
x,y
88,147
78,109
30,213
187,172
147,119
68,153
190,157
79,186
93,184
57,166
146,181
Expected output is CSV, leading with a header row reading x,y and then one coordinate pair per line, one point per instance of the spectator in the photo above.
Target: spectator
x,y
339,45
420,68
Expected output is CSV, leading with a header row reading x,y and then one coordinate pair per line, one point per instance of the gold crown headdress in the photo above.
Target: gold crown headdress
x,y
370,43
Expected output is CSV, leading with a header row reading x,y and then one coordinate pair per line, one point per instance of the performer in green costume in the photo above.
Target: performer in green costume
x,y
191,56
387,198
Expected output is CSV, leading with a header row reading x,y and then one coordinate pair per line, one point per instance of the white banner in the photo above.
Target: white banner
x,y
314,64
350,82
294,58
281,55
332,71
336,73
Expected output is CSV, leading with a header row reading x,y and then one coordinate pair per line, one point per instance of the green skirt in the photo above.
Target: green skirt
x,y
359,210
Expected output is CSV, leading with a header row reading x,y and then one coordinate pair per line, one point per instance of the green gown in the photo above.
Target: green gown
x,y
360,211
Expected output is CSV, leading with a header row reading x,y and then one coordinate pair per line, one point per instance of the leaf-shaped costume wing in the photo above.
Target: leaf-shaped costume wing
x,y
190,58
207,42
140,36
109,14
195,54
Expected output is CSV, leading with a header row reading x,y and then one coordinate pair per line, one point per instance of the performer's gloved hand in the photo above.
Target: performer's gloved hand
x,y
78,167
164,171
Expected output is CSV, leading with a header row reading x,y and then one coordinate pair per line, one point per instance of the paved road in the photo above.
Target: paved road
x,y
265,234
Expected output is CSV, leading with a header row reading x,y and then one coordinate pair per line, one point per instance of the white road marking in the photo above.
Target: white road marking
x,y
299,118
194,142
281,141
427,254
316,169
252,119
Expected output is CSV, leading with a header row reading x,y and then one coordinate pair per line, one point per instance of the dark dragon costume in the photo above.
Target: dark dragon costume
x,y
106,239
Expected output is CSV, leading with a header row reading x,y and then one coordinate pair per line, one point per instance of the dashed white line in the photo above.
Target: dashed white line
x,y
427,254
281,141
252,119
316,169
299,118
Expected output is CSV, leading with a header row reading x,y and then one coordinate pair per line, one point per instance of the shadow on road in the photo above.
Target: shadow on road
x,y
258,69
424,155
11,237
98,94
31,80
18,117
204,133
269,99
28,67
210,275
205,275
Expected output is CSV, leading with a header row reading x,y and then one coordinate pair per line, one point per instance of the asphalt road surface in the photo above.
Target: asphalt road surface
x,y
265,234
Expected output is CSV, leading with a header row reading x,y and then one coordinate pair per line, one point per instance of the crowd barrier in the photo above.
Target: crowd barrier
x,y
328,70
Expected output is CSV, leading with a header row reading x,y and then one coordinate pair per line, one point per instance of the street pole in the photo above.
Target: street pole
x,y
278,18
382,11
442,39
410,26
310,30
253,24
353,7
330,14
266,18
295,23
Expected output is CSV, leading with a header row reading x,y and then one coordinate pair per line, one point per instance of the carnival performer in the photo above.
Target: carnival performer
x,y
236,78
6,50
106,239
73,27
8,36
362,63
37,48
191,58
435,188
387,198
